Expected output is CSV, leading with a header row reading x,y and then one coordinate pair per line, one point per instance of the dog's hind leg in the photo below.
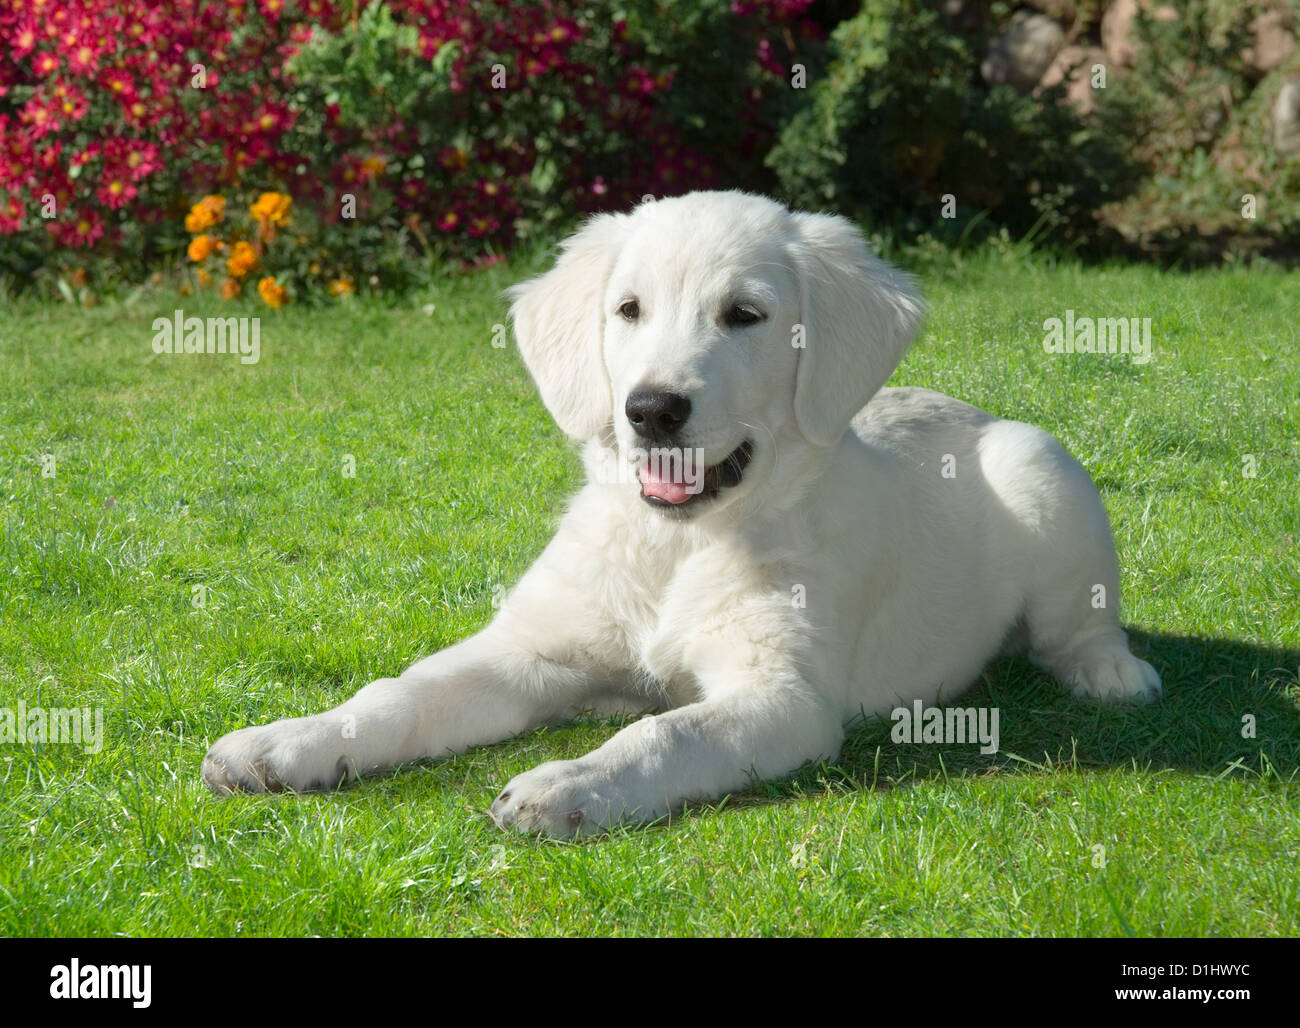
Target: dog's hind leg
x,y
1071,608
1073,617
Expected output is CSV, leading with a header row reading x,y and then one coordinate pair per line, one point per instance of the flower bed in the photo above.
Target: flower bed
x,y
448,129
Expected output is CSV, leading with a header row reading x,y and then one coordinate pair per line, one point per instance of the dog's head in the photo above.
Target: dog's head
x,y
691,334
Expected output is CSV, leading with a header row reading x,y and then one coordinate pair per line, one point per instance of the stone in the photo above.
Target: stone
x,y
1286,118
1074,64
1117,33
1273,41
1023,52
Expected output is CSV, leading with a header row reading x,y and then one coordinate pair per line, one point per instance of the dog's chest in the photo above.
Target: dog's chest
x,y
658,636
698,622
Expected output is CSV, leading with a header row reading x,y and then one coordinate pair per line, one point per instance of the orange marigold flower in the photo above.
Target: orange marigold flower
x,y
273,207
204,214
274,294
203,246
342,287
242,259
374,166
229,289
204,276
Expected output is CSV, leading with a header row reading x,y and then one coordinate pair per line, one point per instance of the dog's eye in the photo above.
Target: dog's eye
x,y
742,314
630,310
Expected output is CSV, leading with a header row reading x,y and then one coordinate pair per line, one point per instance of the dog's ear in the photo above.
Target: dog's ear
x,y
859,315
559,325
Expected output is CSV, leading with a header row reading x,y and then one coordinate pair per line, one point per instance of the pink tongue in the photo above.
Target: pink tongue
x,y
674,489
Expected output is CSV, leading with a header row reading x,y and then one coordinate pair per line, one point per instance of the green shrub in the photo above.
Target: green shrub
x,y
1192,112
902,118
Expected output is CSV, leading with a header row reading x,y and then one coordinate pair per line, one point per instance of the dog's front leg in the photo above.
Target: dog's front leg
x,y
756,730
545,653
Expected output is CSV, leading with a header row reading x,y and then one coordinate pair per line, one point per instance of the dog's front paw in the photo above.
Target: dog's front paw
x,y
301,754
1114,675
562,799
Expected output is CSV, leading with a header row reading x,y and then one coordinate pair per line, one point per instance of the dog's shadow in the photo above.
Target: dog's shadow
x,y
1230,707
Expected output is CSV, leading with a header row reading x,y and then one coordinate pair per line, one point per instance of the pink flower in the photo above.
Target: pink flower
x,y
82,57
117,192
23,41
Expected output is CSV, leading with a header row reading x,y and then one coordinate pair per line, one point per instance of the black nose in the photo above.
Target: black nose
x,y
656,414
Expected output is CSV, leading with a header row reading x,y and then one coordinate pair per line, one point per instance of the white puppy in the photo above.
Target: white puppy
x,y
758,552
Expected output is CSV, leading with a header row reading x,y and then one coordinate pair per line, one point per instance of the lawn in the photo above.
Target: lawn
x,y
197,558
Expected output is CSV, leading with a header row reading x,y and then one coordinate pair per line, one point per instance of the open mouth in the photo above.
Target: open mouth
x,y
670,480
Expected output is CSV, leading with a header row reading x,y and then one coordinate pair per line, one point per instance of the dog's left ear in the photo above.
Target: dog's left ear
x,y
859,315
559,324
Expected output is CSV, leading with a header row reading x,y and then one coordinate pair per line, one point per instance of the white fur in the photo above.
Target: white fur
x,y
912,580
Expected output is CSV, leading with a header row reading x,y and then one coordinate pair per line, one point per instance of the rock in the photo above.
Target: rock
x,y
1273,41
1286,118
1023,52
1117,33
1074,64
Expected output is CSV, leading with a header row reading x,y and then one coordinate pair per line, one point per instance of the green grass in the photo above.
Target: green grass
x,y
181,472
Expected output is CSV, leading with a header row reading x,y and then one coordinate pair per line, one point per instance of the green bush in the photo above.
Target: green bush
x,y
902,118
1193,113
